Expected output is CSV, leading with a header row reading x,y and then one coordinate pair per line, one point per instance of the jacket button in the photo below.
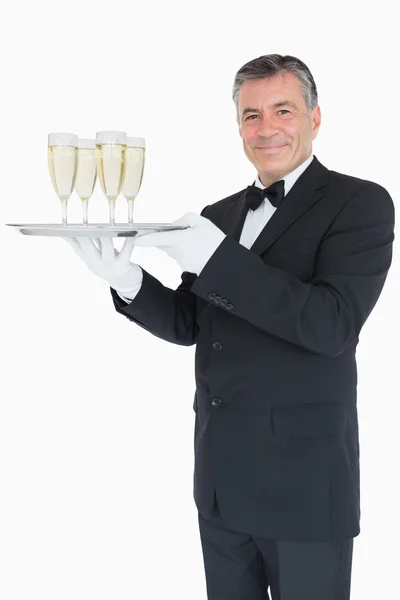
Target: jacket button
x,y
217,299
224,302
212,295
217,346
216,402
229,306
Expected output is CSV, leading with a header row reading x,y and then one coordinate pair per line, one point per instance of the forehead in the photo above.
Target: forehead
x,y
267,91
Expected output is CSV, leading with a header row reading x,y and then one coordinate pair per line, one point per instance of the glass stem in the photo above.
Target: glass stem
x,y
85,211
64,211
130,211
111,206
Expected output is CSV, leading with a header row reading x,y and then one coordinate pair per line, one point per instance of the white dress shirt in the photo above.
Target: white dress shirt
x,y
256,220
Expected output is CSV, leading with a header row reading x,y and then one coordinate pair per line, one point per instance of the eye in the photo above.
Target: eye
x,y
282,110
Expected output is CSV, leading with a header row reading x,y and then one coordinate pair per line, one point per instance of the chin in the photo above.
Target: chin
x,y
275,163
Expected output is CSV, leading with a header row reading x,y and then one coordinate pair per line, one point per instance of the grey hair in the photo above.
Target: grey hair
x,y
271,64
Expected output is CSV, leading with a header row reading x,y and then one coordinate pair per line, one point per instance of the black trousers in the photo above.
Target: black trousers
x,y
239,566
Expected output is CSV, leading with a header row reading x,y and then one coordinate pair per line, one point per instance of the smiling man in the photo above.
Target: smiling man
x,y
278,280
276,126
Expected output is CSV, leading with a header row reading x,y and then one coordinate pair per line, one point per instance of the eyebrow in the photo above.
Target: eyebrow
x,y
276,105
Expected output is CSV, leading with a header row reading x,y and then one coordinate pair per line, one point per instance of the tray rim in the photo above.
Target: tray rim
x,y
92,229
105,226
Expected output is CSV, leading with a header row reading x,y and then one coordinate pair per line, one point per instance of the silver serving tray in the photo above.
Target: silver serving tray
x,y
93,229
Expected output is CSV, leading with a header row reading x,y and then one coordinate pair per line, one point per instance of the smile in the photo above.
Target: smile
x,y
273,150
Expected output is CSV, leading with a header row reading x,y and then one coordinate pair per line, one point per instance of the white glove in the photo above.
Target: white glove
x,y
109,264
192,247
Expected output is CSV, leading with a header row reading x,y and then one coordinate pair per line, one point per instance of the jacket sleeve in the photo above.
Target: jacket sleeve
x,y
166,313
325,314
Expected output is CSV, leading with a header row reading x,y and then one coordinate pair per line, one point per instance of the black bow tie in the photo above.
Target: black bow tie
x,y
274,193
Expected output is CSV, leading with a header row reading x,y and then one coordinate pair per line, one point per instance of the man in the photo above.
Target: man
x,y
278,280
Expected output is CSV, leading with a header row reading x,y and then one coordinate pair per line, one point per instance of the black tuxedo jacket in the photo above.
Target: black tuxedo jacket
x,y
276,329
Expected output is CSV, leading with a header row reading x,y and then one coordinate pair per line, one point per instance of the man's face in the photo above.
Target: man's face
x,y
276,130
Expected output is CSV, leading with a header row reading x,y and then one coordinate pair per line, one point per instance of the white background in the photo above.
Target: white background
x,y
96,419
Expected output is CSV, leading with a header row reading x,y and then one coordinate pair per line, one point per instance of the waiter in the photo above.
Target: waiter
x,y
278,280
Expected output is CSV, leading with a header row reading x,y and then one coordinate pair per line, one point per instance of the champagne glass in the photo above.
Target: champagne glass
x,y
62,157
134,167
87,173
110,157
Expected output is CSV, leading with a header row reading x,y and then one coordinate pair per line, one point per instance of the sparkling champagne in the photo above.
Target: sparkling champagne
x,y
134,167
87,173
63,162
111,168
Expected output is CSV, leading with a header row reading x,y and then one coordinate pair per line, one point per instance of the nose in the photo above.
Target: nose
x,y
267,127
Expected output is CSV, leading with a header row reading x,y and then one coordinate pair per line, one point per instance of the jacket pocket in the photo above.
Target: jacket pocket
x,y
311,418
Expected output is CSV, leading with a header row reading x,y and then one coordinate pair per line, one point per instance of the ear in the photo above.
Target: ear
x,y
316,121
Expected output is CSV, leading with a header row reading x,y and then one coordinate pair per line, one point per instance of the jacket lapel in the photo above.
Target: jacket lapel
x,y
306,191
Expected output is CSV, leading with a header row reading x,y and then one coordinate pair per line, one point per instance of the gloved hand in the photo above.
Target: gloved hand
x,y
109,264
191,247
